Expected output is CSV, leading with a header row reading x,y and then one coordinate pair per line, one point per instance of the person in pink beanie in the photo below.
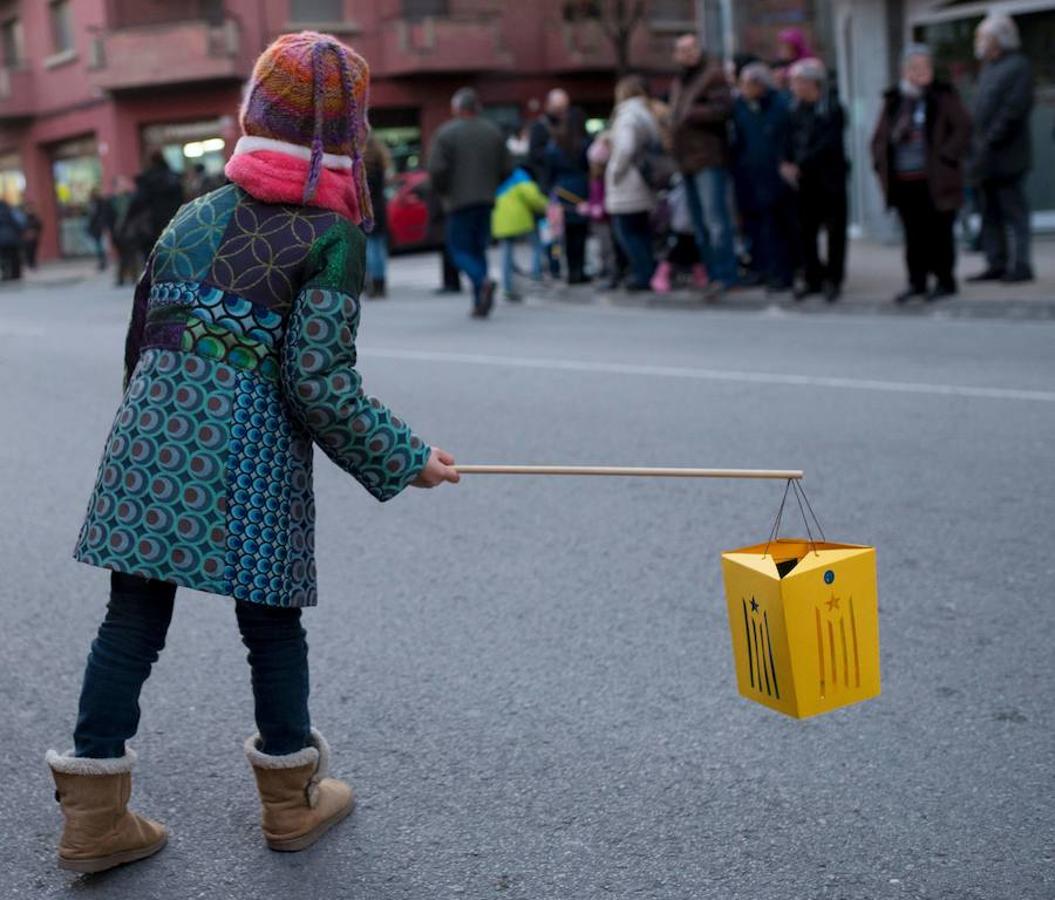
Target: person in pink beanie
x,y
240,356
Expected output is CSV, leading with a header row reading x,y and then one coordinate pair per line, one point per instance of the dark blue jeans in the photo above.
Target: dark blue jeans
x,y
708,194
468,236
633,231
133,634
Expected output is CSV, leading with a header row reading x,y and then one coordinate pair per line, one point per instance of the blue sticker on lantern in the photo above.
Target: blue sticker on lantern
x,y
829,577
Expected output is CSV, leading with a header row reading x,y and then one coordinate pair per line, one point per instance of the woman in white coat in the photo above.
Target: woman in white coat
x,y
628,198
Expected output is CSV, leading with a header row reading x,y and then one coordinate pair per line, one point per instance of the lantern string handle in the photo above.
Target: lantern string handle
x,y
800,499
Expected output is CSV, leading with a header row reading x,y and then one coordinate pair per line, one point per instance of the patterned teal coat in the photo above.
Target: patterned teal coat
x,y
240,354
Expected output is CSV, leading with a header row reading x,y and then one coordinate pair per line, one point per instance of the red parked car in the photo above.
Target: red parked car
x,y
413,223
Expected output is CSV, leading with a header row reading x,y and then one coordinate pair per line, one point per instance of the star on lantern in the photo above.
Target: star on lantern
x,y
833,603
754,605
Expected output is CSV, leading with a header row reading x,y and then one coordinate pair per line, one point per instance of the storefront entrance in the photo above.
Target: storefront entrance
x,y
76,172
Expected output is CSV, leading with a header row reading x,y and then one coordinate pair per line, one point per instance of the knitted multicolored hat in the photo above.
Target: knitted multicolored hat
x,y
312,90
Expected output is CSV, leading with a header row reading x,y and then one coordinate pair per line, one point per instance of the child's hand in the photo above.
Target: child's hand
x,y
437,470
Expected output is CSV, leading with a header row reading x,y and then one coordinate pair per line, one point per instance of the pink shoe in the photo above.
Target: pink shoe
x,y
661,279
699,276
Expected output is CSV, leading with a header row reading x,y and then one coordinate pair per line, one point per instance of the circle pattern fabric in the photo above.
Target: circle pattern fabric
x,y
159,505
205,483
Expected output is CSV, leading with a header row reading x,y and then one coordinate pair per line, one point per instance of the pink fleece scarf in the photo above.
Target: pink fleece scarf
x,y
276,177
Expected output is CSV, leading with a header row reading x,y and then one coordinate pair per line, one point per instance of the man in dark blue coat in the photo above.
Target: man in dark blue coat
x,y
1002,152
764,200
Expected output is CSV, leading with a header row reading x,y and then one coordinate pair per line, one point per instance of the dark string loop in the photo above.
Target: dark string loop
x,y
776,524
805,521
809,506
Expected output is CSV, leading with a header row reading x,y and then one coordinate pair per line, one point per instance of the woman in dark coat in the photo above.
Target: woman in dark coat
x,y
920,143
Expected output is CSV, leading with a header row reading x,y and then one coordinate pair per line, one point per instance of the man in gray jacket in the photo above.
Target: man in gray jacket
x,y
468,160
1002,151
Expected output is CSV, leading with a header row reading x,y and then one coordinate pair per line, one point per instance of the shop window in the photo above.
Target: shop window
x,y
61,26
316,11
953,43
420,9
11,44
76,172
12,180
195,150
672,12
131,13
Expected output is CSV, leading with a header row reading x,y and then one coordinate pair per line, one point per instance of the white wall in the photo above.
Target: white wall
x,y
863,60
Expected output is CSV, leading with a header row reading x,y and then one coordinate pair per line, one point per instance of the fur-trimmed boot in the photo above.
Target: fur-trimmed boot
x,y
100,831
299,804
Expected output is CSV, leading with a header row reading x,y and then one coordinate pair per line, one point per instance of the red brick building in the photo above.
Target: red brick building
x,y
88,88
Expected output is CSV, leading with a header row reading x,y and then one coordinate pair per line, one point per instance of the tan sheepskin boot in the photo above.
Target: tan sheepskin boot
x,y
100,832
299,803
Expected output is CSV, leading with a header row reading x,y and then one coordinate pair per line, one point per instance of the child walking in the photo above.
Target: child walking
x,y
518,205
240,354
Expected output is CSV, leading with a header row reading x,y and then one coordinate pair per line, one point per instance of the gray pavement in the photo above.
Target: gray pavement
x,y
529,682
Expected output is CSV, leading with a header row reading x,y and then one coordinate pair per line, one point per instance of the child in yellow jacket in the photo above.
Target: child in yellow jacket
x,y
518,205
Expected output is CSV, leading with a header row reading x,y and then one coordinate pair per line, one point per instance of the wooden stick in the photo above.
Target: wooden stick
x,y
569,196
631,471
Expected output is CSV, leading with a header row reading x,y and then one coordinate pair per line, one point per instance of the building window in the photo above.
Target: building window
x,y
312,11
675,12
421,9
11,43
133,13
61,26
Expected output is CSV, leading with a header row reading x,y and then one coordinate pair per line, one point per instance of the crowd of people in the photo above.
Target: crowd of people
x,y
123,224
725,178
730,178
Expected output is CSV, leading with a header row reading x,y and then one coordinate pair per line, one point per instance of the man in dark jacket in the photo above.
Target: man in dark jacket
x,y
815,166
701,104
1002,154
541,133
468,160
918,149
763,199
158,196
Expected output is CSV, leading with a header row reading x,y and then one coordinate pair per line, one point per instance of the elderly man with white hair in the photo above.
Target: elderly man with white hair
x,y
815,166
918,148
1002,152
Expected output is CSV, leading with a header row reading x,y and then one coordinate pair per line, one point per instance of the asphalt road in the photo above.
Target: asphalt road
x,y
530,682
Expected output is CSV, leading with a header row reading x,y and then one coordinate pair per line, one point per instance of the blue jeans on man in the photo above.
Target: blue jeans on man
x,y
708,194
468,237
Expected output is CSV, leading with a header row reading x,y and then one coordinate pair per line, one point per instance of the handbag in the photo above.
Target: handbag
x,y
656,165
